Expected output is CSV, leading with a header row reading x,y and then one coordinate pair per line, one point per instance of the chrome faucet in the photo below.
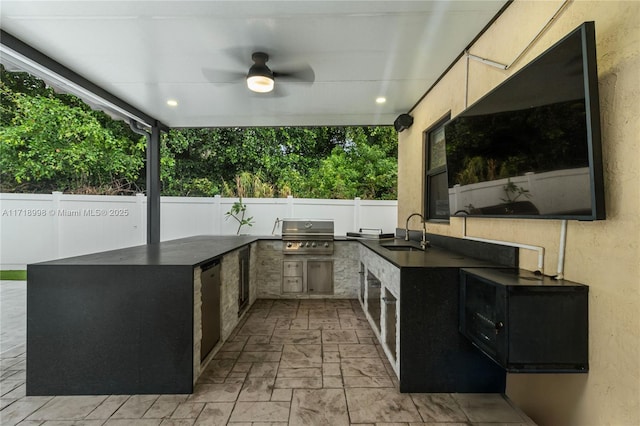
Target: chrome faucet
x,y
424,241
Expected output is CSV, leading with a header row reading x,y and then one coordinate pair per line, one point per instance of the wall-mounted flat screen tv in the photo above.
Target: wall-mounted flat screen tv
x,y
531,147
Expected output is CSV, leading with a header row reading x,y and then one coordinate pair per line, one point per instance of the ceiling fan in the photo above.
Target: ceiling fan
x,y
260,78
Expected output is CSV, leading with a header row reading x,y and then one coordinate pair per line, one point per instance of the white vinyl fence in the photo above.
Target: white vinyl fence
x,y
39,227
568,187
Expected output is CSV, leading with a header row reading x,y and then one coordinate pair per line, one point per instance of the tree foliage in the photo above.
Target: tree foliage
x,y
320,162
364,166
51,141
47,145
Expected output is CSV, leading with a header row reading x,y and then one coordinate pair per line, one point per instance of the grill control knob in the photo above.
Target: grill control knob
x,y
307,243
289,244
313,244
326,244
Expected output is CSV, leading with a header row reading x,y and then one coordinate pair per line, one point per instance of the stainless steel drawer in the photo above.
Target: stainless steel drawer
x,y
292,285
292,268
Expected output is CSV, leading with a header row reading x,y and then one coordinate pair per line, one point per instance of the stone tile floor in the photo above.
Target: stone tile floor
x,y
306,362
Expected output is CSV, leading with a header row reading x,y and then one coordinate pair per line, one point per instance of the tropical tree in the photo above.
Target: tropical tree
x,y
365,166
51,141
46,145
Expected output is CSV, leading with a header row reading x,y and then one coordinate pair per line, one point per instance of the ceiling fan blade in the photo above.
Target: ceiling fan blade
x,y
241,55
223,76
302,73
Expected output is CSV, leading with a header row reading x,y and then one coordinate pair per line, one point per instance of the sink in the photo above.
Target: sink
x,y
402,246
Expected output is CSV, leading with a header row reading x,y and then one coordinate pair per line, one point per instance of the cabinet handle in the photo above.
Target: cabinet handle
x,y
499,326
485,319
389,301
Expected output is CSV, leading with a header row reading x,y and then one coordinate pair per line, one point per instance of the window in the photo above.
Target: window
x,y
437,190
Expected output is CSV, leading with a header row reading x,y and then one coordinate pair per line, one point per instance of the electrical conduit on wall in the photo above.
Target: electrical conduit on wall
x,y
505,67
561,250
539,249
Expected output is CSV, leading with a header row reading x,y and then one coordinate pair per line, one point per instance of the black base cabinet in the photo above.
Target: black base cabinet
x,y
526,323
121,322
109,329
434,356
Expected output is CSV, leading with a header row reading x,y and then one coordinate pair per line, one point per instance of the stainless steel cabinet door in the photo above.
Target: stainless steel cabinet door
x,y
210,279
320,276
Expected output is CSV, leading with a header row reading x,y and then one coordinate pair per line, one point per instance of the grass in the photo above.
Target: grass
x,y
13,275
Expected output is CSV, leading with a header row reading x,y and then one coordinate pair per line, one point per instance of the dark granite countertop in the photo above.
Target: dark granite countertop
x,y
432,257
196,250
521,278
188,251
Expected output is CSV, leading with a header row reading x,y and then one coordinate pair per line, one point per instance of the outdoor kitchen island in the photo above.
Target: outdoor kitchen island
x,y
127,321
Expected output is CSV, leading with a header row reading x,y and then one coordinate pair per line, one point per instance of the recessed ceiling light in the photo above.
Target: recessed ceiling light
x,y
172,102
381,100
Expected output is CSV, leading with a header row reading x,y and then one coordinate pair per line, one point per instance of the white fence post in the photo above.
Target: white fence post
x,y
57,210
290,206
142,218
356,213
71,227
217,215
454,197
531,183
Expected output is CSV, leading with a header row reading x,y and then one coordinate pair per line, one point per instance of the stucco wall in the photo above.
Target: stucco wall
x,y
603,254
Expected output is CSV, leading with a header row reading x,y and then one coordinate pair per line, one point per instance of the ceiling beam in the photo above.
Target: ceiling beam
x,y
67,77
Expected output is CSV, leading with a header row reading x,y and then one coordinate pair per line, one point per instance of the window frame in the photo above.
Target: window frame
x,y
429,173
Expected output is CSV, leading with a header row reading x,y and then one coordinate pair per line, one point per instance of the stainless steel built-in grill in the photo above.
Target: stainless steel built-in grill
x,y
308,264
307,236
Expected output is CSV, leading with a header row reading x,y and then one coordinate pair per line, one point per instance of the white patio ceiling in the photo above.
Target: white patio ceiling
x,y
148,52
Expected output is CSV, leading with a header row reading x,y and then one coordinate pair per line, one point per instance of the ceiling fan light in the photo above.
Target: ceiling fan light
x,y
260,77
260,83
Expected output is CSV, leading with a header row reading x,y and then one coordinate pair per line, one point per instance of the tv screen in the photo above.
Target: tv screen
x,y
531,147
